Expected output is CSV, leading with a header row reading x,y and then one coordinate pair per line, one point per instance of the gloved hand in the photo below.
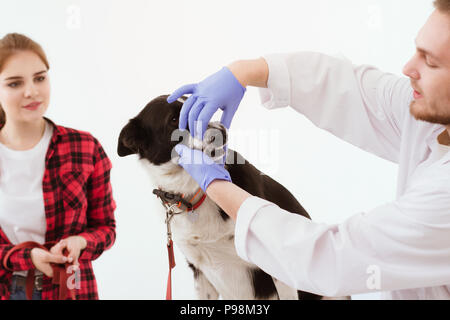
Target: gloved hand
x,y
219,91
200,166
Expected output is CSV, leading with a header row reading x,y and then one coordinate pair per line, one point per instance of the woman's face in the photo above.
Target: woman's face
x,y
24,87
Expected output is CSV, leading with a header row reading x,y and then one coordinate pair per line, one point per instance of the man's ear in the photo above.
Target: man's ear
x,y
133,139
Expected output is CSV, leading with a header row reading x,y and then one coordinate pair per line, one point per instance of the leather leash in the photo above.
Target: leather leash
x,y
171,201
60,274
171,255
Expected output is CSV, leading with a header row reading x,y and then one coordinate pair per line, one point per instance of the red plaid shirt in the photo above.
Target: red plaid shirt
x,y
78,201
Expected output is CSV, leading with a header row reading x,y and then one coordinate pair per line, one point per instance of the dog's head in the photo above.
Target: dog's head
x,y
154,133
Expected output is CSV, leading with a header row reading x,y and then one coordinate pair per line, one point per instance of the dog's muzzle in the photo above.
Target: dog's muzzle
x,y
214,141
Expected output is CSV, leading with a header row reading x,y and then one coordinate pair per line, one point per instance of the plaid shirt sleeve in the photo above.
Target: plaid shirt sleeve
x,y
19,260
100,232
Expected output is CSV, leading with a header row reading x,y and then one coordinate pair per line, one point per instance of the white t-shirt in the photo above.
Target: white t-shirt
x,y
442,150
405,243
22,211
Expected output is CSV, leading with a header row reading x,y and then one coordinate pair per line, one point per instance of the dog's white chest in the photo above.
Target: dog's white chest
x,y
208,244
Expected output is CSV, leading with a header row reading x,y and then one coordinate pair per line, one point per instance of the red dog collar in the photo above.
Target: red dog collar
x,y
185,205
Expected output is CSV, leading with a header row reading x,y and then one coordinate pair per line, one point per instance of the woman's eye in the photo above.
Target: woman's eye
x,y
13,85
40,79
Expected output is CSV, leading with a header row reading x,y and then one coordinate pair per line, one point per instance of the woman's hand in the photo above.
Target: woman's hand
x,y
42,260
74,245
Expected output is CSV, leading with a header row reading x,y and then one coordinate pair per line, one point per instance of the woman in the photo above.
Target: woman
x,y
54,182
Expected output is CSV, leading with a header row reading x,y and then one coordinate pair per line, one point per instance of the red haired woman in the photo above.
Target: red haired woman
x,y
54,183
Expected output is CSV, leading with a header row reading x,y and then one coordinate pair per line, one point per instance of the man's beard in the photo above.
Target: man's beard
x,y
432,113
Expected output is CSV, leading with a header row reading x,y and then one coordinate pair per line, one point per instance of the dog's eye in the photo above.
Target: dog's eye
x,y
174,119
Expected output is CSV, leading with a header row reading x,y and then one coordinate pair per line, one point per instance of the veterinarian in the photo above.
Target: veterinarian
x,y
401,248
54,183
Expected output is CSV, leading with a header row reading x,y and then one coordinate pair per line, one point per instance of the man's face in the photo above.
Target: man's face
x,y
429,71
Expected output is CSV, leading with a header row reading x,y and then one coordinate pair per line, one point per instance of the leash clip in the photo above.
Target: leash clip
x,y
169,215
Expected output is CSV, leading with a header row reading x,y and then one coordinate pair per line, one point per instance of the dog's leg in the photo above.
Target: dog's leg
x,y
287,293
204,289
284,291
337,298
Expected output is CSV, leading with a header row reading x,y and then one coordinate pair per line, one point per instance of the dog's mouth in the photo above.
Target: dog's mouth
x,y
214,141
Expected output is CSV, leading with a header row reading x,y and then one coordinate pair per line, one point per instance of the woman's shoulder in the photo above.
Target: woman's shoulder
x,y
76,139
79,148
71,133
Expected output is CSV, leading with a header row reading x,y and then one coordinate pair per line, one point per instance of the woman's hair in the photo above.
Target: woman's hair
x,y
13,43
442,5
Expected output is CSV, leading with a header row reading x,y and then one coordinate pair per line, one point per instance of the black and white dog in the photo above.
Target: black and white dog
x,y
208,240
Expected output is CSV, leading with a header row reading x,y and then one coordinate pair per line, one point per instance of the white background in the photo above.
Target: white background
x,y
109,58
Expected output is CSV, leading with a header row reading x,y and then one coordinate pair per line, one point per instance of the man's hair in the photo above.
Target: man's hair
x,y
442,5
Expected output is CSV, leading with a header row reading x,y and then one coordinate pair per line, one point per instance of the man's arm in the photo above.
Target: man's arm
x,y
227,196
399,245
251,72
357,103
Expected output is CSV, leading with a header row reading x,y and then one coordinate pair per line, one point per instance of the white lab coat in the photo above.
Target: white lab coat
x,y
401,248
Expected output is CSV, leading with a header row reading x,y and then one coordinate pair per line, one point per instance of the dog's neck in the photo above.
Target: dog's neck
x,y
182,202
170,177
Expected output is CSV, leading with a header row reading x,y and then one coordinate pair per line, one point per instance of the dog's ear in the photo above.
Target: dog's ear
x,y
133,138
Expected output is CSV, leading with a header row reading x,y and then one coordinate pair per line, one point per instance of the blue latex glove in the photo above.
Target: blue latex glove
x,y
201,167
219,91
